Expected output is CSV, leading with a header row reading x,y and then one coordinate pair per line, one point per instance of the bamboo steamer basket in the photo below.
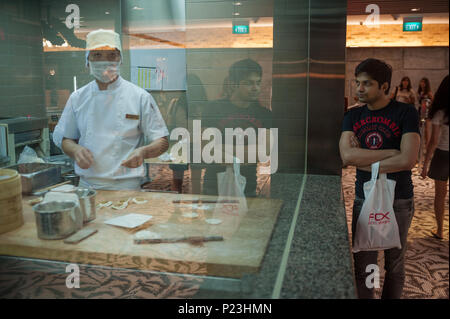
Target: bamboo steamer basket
x,y
11,211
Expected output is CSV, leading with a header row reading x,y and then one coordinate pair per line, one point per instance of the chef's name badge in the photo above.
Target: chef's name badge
x,y
132,116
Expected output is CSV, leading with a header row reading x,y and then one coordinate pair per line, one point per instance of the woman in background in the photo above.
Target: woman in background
x,y
424,98
424,91
404,92
439,146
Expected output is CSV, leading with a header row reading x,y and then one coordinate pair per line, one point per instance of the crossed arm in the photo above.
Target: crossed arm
x,y
391,160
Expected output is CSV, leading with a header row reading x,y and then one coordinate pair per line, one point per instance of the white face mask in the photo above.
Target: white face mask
x,y
104,71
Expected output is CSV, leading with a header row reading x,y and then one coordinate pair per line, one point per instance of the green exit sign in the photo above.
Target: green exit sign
x,y
412,26
241,29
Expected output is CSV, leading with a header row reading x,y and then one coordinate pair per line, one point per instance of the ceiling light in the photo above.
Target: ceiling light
x,y
137,8
237,3
415,9
106,12
236,13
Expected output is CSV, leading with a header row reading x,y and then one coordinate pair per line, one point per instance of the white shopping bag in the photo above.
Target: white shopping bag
x,y
231,205
377,227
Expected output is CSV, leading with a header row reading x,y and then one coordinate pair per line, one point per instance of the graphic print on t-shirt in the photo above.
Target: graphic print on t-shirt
x,y
374,130
374,141
383,129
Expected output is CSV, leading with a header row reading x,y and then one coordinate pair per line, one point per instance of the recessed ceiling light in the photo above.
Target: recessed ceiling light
x,y
236,13
106,12
415,9
137,8
237,3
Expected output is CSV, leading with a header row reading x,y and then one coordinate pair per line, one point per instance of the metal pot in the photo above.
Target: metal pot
x,y
87,203
73,178
56,219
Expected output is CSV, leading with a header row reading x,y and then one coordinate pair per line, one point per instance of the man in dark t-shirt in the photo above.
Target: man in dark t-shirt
x,y
241,109
382,130
385,131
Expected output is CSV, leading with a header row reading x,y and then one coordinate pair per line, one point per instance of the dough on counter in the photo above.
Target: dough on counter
x,y
104,204
213,221
139,201
190,215
123,204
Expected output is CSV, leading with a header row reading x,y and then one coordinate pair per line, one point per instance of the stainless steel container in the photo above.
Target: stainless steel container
x,y
35,176
56,219
87,203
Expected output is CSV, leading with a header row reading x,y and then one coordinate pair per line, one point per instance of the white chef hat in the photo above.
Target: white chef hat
x,y
102,38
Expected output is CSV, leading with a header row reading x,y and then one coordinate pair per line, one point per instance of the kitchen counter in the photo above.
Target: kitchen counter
x,y
310,259
245,234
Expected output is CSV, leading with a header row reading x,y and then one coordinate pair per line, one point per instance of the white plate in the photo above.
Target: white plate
x,y
129,221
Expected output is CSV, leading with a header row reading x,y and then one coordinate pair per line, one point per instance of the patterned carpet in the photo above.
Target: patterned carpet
x,y
427,259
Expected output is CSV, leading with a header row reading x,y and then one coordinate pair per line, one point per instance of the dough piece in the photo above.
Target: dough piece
x,y
190,215
146,234
139,201
213,221
123,204
104,204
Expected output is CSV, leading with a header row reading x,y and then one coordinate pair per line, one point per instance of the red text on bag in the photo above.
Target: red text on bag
x,y
379,217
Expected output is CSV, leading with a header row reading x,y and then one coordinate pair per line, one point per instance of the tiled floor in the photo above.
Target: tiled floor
x,y
427,259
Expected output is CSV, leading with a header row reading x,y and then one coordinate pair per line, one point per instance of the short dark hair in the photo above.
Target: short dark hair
x,y
378,70
242,69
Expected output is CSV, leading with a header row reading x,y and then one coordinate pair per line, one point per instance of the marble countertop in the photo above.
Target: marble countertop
x,y
313,263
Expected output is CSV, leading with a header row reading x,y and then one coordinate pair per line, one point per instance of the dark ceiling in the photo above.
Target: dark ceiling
x,y
358,7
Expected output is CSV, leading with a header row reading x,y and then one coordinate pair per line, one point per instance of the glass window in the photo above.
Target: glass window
x,y
229,80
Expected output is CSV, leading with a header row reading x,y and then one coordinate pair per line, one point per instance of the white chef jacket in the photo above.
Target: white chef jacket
x,y
111,124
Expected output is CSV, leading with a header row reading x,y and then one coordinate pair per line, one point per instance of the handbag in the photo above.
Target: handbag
x,y
377,227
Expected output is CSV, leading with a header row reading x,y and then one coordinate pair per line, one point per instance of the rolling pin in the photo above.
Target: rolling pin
x,y
191,239
42,191
80,235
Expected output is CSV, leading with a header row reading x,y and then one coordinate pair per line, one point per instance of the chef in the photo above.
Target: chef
x,y
104,123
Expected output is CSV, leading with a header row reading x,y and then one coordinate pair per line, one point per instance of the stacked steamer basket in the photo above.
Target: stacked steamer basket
x,y
11,216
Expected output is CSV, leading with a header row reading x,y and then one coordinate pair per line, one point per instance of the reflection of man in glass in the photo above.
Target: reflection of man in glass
x,y
240,109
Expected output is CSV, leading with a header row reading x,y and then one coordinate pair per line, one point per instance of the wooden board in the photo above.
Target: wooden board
x,y
80,235
241,252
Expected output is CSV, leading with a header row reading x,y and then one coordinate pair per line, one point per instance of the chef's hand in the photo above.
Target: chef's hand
x,y
135,159
83,157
